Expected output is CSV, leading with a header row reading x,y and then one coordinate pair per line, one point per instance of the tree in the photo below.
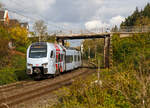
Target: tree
x,y
95,46
146,11
4,50
19,36
115,29
142,21
67,44
138,17
40,29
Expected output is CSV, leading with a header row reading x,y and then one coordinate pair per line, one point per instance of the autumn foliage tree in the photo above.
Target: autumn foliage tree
x,y
19,36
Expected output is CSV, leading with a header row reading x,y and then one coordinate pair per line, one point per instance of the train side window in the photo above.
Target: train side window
x,y
59,58
62,57
71,59
52,54
56,59
75,58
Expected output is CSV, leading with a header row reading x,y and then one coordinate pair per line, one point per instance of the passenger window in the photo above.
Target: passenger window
x,y
62,57
52,54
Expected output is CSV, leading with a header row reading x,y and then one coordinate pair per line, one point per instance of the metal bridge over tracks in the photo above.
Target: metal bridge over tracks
x,y
104,33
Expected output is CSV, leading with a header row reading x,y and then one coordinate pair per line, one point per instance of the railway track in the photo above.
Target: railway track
x,y
17,85
12,95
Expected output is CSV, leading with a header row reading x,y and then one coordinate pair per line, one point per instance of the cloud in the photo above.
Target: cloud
x,y
95,24
29,6
75,12
116,20
40,5
98,1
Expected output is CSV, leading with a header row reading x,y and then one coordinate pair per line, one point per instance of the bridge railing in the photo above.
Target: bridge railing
x,y
84,31
128,29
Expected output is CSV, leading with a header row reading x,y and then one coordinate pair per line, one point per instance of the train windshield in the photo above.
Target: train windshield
x,y
38,51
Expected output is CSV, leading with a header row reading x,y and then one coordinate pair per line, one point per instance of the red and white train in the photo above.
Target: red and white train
x,y
47,59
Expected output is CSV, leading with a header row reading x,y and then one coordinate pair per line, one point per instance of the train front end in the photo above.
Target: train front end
x,y
37,60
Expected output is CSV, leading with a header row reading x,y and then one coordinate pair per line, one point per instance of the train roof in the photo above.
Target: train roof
x,y
39,43
45,43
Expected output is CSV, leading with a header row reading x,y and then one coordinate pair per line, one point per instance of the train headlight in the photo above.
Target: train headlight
x,y
29,64
44,64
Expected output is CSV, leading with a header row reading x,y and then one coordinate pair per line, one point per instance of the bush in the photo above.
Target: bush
x,y
4,50
21,74
130,49
16,71
121,88
21,49
19,36
7,75
87,94
19,63
12,66
126,85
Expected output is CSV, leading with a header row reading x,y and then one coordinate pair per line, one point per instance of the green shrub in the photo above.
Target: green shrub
x,y
87,94
4,50
19,63
7,75
121,88
126,85
12,66
130,49
21,49
21,74
16,71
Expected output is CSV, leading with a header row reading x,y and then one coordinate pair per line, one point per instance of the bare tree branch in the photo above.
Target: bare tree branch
x,y
40,29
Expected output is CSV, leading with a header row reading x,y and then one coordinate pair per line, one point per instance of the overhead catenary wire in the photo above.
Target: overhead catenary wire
x,y
63,27
13,11
41,17
53,27
32,19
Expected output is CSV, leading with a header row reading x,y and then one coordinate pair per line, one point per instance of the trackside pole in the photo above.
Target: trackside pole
x,y
89,54
98,72
99,82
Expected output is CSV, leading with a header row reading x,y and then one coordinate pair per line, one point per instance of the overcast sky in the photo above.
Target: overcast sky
x,y
74,14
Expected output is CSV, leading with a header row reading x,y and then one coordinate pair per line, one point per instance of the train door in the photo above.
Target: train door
x,y
73,62
65,60
62,59
52,61
57,61
62,62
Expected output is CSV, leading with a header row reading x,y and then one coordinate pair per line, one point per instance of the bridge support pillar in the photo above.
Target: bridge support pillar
x,y
63,43
106,52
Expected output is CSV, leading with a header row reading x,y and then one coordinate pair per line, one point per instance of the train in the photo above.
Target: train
x,y
46,60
